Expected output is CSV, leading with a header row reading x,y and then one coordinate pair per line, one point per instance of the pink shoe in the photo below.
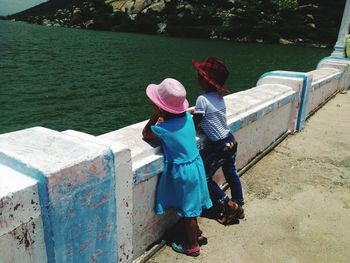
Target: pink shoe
x,y
181,248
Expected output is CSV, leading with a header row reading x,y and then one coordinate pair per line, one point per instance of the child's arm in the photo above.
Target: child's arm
x,y
197,118
190,110
198,111
147,131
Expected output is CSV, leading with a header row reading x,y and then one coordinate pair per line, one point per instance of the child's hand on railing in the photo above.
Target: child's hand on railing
x,y
156,112
190,110
157,117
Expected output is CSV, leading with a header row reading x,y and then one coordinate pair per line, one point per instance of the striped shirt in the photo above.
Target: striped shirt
x,y
214,123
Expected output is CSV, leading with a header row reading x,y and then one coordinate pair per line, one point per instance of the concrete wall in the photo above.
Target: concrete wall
x,y
72,197
342,64
326,82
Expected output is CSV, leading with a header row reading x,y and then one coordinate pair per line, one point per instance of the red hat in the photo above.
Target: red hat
x,y
213,71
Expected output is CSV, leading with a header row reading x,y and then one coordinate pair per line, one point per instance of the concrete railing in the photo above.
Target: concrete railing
x,y
72,197
325,83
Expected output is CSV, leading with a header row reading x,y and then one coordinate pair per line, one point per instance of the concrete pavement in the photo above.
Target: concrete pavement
x,y
297,200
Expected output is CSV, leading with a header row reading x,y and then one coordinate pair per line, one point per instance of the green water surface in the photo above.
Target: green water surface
x,y
94,81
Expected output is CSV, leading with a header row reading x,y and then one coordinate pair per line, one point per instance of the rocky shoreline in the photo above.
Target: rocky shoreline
x,y
221,19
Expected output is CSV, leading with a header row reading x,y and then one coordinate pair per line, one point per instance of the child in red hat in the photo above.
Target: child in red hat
x,y
220,147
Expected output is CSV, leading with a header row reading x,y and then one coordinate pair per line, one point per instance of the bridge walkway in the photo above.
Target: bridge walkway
x,y
297,200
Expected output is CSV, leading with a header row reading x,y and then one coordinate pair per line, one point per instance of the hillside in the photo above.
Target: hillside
x,y
283,21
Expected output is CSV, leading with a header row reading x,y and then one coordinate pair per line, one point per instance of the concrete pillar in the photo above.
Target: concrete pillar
x,y
339,48
123,189
299,82
76,192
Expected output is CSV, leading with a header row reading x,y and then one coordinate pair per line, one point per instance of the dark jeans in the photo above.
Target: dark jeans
x,y
218,154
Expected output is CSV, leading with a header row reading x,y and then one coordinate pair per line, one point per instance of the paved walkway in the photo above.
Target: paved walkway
x,y
297,200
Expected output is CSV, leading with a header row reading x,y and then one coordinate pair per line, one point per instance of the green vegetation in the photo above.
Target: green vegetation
x,y
273,21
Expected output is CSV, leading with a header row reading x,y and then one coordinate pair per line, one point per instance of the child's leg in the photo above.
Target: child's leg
x,y
191,226
192,248
233,180
232,176
215,191
202,240
199,232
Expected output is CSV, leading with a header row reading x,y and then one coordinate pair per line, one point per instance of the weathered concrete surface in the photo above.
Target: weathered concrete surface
x,y
297,200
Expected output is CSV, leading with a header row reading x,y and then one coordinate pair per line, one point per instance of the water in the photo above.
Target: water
x,y
95,81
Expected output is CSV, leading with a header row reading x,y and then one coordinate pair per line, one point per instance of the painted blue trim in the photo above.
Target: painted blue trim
x,y
148,171
240,123
87,216
330,57
235,126
304,97
339,47
321,82
43,199
113,246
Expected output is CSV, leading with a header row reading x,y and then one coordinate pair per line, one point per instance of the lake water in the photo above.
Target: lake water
x,y
94,81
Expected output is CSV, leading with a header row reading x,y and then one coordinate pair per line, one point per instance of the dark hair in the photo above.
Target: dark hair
x,y
205,84
168,115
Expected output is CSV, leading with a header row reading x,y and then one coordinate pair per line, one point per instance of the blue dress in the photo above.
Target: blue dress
x,y
182,186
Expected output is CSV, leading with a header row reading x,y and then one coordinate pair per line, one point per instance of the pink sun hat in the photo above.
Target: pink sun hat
x,y
169,95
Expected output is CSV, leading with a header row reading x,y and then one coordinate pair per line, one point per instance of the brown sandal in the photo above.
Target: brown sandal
x,y
236,210
240,214
233,211
226,220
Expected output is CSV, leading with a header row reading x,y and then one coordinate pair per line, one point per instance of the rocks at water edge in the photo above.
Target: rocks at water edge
x,y
283,22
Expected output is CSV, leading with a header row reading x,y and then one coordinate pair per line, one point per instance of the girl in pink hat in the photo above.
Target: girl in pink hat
x,y
182,186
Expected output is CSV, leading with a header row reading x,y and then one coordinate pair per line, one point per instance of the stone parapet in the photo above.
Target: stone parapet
x,y
73,197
